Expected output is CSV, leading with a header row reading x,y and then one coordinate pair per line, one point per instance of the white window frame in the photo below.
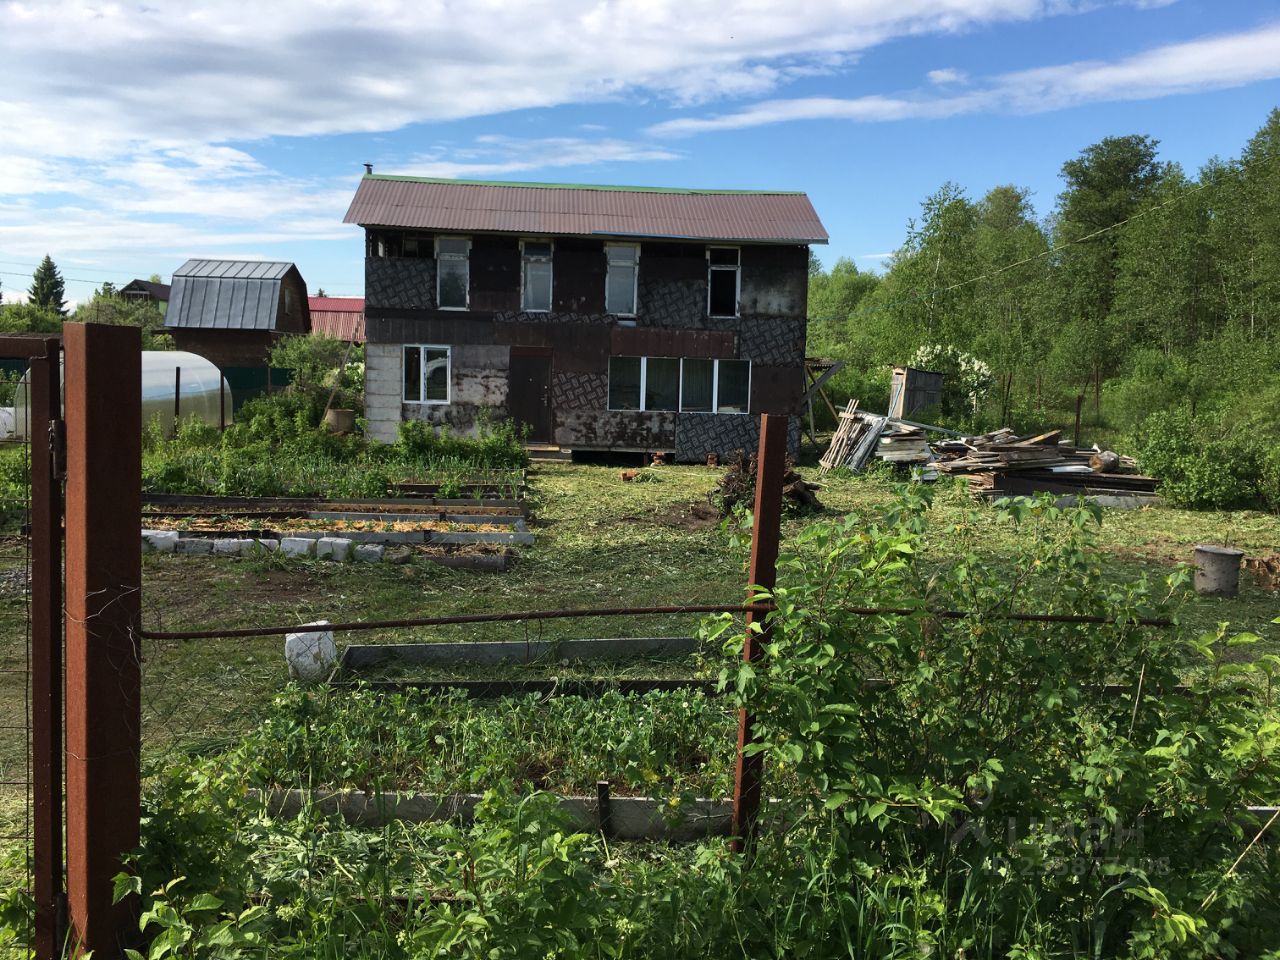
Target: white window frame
x,y
524,263
466,259
422,374
644,384
737,280
634,264
715,386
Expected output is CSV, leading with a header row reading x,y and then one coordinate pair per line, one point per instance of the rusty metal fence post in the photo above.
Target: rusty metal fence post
x,y
103,585
763,572
45,438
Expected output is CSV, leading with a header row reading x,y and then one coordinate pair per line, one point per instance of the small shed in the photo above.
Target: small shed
x,y
911,390
339,317
233,311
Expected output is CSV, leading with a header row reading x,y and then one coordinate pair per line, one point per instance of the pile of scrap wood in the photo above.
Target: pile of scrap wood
x,y
999,463
860,436
1002,464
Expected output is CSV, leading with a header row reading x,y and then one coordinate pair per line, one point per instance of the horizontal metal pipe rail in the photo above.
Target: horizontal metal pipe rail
x,y
267,631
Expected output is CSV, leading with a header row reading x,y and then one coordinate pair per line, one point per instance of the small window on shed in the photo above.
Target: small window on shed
x,y
723,281
453,278
620,281
536,275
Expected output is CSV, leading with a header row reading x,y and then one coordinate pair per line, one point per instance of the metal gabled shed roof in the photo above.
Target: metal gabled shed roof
x,y
585,210
226,294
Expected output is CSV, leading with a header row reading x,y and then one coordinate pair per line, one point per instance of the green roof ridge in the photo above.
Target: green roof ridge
x,y
579,186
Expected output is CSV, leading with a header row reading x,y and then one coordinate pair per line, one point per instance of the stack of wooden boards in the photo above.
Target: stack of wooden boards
x,y
856,437
996,464
860,436
1003,464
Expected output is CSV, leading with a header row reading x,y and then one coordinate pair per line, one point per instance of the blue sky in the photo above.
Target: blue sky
x,y
133,136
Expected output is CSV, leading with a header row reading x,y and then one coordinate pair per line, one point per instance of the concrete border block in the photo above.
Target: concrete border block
x,y
194,545
298,546
369,552
334,548
159,541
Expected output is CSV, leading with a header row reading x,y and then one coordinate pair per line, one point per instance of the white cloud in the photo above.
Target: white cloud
x,y
497,156
947,75
1210,63
132,125
230,71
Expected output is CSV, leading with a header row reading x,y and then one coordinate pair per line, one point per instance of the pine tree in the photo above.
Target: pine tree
x,y
47,288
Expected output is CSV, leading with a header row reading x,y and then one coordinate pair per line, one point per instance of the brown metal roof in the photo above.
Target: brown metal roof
x,y
339,317
469,206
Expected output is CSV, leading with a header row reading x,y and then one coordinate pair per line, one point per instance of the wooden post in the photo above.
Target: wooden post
x,y
44,436
222,402
604,809
103,584
766,533
1079,404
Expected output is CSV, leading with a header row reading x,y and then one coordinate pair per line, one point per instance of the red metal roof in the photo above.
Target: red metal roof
x,y
340,317
585,211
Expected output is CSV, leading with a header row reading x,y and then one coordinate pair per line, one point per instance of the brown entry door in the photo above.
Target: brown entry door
x,y
529,393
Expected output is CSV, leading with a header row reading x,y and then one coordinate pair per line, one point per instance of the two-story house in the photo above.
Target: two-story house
x,y
601,318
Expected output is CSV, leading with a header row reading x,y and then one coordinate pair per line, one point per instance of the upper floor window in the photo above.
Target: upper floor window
x,y
535,283
397,243
426,374
724,281
620,282
453,275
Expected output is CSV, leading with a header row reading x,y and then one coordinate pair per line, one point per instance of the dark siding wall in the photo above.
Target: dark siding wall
x,y
671,321
495,274
577,276
292,313
775,282
226,348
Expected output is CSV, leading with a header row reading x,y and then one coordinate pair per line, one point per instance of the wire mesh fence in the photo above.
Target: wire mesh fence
x,y
16,742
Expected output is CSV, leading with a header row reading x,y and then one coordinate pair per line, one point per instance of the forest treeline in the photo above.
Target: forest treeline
x,y
1152,293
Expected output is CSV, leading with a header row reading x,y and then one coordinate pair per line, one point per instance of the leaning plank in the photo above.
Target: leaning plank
x,y
631,818
363,656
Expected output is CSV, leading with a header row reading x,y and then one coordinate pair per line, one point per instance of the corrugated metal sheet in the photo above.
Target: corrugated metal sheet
x,y
226,294
235,269
465,206
340,317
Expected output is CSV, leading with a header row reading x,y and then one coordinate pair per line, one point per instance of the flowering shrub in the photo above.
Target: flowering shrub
x,y
967,381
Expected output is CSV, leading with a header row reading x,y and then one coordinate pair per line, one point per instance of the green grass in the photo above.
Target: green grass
x,y
601,542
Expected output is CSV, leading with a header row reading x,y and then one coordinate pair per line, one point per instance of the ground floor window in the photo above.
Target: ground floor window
x,y
715,386
426,374
690,385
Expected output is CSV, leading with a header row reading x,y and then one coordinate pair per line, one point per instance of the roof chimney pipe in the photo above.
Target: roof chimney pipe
x,y
368,169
